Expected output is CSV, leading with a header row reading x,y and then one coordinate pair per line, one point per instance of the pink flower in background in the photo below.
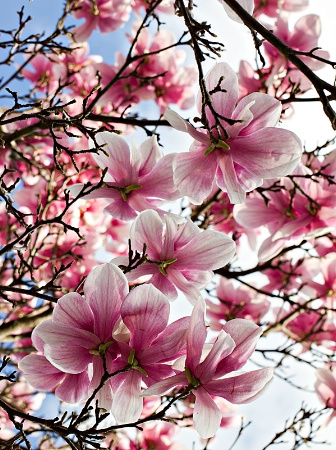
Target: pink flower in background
x,y
204,375
272,8
180,256
304,38
165,6
309,213
235,302
174,85
42,75
248,79
325,388
107,15
253,150
153,343
134,181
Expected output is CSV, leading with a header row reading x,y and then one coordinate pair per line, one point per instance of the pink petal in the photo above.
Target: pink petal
x,y
222,347
70,359
245,335
207,250
146,156
117,157
194,174
73,310
74,388
306,32
159,182
265,110
196,336
104,395
190,287
84,31
105,289
207,416
264,154
170,344
227,180
103,192
185,233
177,122
164,386
169,242
40,373
223,101
127,403
120,209
241,388
165,285
58,334
148,229
140,314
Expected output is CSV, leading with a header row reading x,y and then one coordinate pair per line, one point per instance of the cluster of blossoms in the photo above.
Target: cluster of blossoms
x,y
85,196
278,76
118,333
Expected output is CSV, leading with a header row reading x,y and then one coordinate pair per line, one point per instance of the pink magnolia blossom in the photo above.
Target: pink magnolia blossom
x,y
134,181
325,387
44,73
179,255
160,436
311,325
272,8
174,85
152,344
304,38
107,15
165,6
211,376
81,332
248,79
253,150
234,303
290,219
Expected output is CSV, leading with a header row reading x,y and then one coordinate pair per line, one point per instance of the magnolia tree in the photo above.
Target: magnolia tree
x,y
103,232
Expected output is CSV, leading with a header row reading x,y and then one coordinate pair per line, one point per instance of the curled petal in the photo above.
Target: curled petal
x,y
241,388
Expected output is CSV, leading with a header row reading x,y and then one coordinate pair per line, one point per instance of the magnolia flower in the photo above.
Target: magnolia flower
x,y
209,376
107,15
236,156
272,8
134,181
303,38
178,255
81,332
153,342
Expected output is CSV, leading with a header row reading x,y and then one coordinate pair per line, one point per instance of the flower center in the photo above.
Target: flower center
x,y
194,382
128,189
101,349
216,143
134,363
164,264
